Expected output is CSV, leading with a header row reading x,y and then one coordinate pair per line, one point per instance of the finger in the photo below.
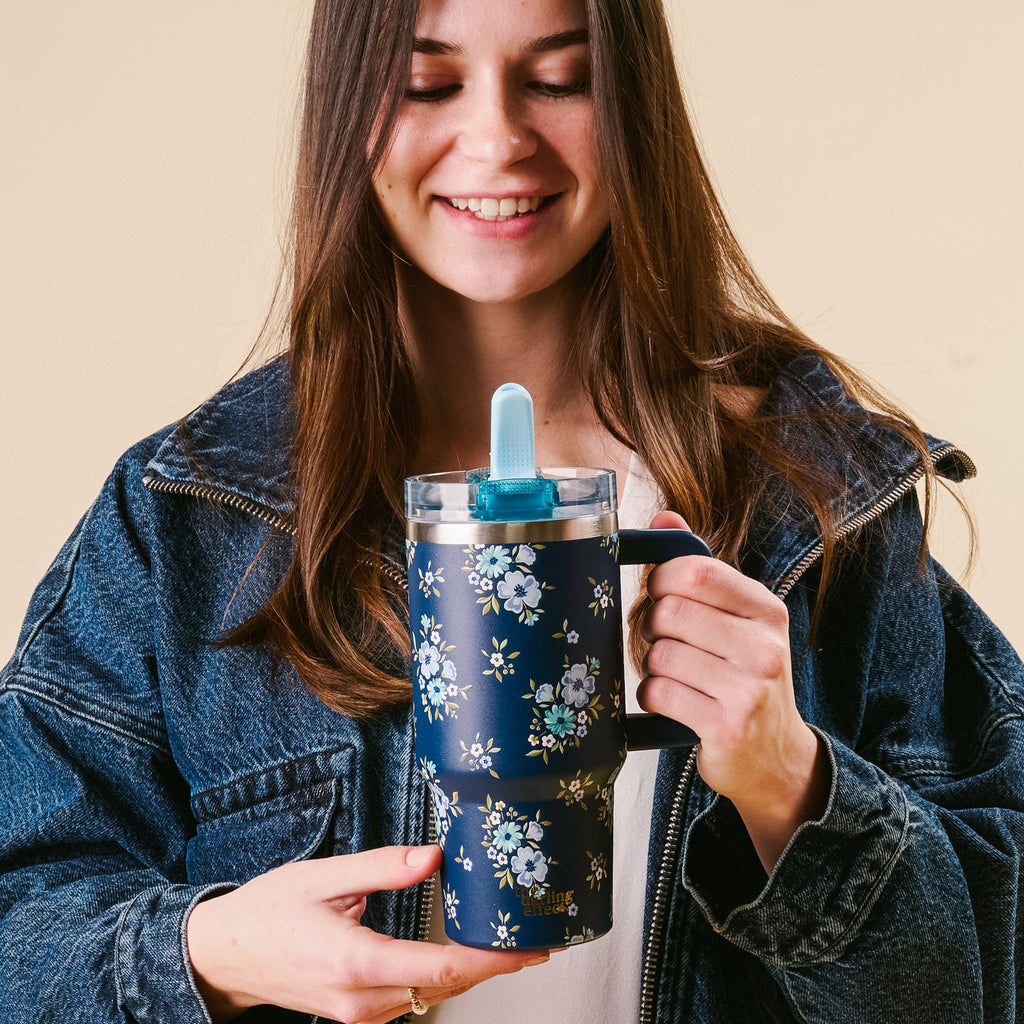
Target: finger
x,y
403,962
690,666
667,520
709,629
356,874
711,581
681,703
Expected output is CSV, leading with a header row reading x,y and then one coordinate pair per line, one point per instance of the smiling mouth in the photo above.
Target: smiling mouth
x,y
466,206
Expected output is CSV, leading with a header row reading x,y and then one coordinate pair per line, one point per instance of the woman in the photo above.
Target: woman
x,y
206,725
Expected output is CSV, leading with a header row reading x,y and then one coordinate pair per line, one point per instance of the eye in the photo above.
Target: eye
x,y
552,90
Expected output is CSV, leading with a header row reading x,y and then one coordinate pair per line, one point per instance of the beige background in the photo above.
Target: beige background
x,y
869,156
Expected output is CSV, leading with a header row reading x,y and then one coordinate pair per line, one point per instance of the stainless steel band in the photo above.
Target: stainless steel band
x,y
530,531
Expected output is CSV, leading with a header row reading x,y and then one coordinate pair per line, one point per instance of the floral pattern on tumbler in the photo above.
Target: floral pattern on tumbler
x,y
436,672
564,711
512,841
500,660
503,577
480,756
446,808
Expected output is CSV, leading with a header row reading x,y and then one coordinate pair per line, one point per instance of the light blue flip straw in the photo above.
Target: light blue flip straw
x,y
513,489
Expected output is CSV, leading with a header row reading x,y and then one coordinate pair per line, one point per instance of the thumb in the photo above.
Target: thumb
x,y
384,867
666,520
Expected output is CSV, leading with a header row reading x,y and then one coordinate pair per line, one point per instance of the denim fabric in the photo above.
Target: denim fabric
x,y
141,770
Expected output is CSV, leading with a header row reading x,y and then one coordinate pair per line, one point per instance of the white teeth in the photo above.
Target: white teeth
x,y
495,209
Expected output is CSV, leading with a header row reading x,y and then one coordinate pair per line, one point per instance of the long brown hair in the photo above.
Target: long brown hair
x,y
674,314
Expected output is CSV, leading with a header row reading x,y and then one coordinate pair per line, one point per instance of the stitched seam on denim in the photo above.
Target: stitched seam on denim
x,y
936,766
122,995
872,896
110,726
261,772
141,727
183,948
271,805
986,669
58,599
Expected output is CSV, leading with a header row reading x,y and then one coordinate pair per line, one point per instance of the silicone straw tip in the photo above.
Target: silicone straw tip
x,y
512,444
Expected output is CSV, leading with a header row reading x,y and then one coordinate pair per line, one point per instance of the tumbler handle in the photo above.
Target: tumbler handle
x,y
647,730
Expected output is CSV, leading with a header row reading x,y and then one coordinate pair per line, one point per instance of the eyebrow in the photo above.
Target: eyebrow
x,y
543,44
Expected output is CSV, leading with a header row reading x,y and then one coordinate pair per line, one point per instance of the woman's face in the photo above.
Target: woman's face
x,y
504,117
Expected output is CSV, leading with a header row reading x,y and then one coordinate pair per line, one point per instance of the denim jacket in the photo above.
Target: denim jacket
x,y
143,770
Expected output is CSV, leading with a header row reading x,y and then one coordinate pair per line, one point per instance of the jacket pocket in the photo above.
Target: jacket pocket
x,y
291,811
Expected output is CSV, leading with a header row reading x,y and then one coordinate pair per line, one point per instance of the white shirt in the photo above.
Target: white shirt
x,y
597,980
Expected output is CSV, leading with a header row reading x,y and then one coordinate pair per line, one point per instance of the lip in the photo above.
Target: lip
x,y
518,227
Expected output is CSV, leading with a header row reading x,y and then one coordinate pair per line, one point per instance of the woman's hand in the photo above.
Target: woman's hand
x,y
719,662
292,938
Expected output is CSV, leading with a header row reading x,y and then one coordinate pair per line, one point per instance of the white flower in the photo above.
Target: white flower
x,y
593,863
578,796
430,659
476,750
428,578
516,590
467,863
495,818
604,600
533,740
581,718
572,909
572,636
502,860
502,932
581,730
474,578
574,784
486,584
598,874
526,554
598,591
530,866
548,740
544,693
534,830
453,690
448,670
435,637
491,852
497,659
485,761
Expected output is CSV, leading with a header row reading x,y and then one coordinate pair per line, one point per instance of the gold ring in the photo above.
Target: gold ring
x,y
417,1007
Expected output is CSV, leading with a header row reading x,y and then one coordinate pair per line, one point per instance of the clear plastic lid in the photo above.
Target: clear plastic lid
x,y
466,497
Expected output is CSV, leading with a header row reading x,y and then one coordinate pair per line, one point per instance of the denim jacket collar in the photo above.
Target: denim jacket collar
x,y
235,448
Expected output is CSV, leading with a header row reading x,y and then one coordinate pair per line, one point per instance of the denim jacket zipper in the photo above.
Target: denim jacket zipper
x,y
674,828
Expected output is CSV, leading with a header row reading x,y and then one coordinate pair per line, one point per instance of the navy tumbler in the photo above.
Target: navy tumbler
x,y
520,722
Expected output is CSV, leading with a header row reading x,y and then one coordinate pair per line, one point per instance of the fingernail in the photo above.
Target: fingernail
x,y
535,960
419,855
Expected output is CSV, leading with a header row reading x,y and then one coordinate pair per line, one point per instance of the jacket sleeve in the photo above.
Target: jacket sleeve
x,y
94,816
902,902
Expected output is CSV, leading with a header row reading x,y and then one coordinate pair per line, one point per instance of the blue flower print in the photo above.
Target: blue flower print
x,y
436,673
436,692
504,831
560,720
563,713
493,561
445,809
507,836
577,686
504,579
530,866
430,659
516,590
525,555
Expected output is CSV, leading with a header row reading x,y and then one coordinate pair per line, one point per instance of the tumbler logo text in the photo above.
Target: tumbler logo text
x,y
548,903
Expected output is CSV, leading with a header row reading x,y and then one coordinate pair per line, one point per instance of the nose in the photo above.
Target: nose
x,y
495,131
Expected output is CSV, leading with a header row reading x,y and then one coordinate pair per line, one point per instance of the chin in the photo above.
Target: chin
x,y
489,287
